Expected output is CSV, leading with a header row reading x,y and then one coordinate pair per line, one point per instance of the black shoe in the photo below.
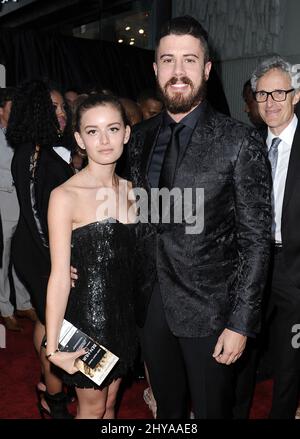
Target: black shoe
x,y
57,404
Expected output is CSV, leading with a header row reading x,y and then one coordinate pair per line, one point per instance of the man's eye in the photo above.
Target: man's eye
x,y
167,60
91,132
189,60
114,129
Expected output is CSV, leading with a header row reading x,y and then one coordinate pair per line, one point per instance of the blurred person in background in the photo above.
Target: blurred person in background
x,y
40,133
9,208
70,95
133,111
251,108
149,103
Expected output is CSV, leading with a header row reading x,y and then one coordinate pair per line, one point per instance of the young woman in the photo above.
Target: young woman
x,y
91,223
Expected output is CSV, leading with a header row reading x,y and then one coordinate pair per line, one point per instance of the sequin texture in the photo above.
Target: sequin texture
x,y
101,303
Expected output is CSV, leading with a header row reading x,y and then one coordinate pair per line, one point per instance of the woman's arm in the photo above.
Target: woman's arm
x,y
60,231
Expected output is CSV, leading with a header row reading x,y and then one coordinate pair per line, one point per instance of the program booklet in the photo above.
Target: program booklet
x,y
97,362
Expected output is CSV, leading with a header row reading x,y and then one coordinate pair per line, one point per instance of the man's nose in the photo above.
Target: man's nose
x,y
60,110
269,101
179,68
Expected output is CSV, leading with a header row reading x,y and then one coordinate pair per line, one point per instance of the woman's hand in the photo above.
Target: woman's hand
x,y
66,360
73,275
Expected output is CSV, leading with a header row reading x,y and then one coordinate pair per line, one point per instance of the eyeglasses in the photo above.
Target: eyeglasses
x,y
277,95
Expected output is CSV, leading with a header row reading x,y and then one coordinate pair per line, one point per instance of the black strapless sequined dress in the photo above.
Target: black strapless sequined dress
x,y
101,304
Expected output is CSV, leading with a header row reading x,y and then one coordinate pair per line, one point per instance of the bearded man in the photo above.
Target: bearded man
x,y
200,293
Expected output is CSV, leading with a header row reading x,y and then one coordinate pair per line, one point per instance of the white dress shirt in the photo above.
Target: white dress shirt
x,y
63,152
284,151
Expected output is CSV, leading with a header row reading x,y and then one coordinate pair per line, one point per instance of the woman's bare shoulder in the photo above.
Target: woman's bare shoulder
x,y
70,187
74,181
126,183
64,193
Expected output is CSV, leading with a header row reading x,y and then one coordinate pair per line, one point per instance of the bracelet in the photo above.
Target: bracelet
x,y
51,353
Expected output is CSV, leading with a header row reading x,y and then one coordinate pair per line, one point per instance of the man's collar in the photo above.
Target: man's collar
x,y
190,120
63,152
287,135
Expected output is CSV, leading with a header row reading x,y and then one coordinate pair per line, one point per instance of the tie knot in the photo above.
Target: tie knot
x,y
275,142
176,127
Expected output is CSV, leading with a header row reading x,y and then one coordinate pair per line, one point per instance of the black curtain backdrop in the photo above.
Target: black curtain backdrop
x,y
75,62
81,63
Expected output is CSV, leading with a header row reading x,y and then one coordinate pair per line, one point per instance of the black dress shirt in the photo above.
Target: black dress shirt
x,y
190,121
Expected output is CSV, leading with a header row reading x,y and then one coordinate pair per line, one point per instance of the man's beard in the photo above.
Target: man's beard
x,y
178,103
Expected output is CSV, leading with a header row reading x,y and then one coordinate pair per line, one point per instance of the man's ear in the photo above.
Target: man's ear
x,y
296,98
127,134
79,140
207,69
155,68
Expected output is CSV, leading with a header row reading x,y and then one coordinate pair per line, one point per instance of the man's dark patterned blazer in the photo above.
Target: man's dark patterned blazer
x,y
213,279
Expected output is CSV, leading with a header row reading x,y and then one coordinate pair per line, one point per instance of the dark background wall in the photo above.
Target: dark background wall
x,y
75,62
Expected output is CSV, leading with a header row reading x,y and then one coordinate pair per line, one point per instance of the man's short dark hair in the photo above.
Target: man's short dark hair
x,y
6,94
185,25
246,89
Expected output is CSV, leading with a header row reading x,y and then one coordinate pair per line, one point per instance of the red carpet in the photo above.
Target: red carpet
x,y
19,373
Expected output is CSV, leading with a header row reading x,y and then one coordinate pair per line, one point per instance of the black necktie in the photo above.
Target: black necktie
x,y
171,157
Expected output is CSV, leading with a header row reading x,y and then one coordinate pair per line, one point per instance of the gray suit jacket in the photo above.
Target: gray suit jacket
x,y
9,205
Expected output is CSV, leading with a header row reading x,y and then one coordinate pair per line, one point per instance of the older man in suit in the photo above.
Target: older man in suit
x,y
275,83
201,293
9,208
